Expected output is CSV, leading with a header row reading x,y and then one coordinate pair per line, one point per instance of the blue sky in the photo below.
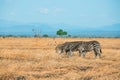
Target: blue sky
x,y
87,13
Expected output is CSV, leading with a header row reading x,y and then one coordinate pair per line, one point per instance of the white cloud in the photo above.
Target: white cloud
x,y
44,10
51,11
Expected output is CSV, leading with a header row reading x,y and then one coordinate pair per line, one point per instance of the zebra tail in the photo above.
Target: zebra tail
x,y
100,51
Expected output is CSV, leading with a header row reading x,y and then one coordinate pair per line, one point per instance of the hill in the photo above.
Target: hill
x,y
7,27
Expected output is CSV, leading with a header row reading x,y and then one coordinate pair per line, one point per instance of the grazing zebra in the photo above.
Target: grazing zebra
x,y
87,46
82,46
66,47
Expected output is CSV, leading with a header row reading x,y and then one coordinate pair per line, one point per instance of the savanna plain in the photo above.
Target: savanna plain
x,y
36,59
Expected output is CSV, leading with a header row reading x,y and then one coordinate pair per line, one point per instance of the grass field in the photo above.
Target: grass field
x,y
35,59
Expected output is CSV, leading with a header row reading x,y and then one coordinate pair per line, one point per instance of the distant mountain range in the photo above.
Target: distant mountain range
x,y
7,27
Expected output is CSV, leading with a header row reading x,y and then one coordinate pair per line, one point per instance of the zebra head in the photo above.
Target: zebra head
x,y
59,48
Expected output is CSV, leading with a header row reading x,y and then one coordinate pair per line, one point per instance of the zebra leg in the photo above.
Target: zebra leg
x,y
95,55
81,50
83,54
69,53
99,55
97,52
80,53
66,52
100,52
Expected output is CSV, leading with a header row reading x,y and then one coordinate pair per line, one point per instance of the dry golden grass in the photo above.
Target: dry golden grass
x,y
35,59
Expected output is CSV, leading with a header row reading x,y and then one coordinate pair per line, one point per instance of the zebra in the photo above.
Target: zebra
x,y
67,47
87,46
82,46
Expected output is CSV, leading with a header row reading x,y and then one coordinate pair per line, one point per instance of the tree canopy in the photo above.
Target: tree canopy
x,y
61,32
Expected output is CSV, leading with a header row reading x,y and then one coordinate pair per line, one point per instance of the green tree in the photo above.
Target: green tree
x,y
64,33
60,32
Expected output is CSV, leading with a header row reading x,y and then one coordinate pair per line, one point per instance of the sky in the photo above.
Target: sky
x,y
88,13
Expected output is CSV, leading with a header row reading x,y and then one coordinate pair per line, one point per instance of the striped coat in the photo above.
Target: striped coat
x,y
82,46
